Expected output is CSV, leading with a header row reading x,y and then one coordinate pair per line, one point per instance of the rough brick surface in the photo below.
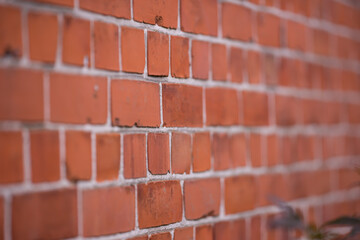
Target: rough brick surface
x,y
179,57
158,54
180,152
158,153
240,194
234,16
184,233
11,37
132,50
201,154
107,156
204,232
134,156
200,59
219,62
255,109
116,8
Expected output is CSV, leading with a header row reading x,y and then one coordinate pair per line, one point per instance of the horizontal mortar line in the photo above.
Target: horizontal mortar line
x,y
329,198
335,163
300,92
286,15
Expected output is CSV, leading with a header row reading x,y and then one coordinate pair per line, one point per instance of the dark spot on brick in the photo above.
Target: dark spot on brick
x,y
158,19
117,121
9,52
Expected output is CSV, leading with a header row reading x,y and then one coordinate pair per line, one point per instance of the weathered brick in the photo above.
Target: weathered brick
x,y
204,232
179,59
287,110
134,156
320,42
57,208
256,153
162,13
238,149
219,62
222,106
235,64
11,155
11,37
67,3
202,198
184,233
236,22
157,54
255,108
45,156
201,154
296,36
254,67
108,210
158,153
270,185
132,50
78,99
268,29
107,156
180,152
26,87
161,236
159,203
135,103
182,105
272,150
221,151
200,59
116,8
230,230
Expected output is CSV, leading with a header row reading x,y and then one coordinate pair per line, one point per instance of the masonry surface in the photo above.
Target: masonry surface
x,y
174,120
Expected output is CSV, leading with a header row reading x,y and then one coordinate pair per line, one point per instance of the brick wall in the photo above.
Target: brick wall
x,y
153,119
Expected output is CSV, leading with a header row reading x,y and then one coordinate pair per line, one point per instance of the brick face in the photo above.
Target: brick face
x,y
11,37
116,8
234,16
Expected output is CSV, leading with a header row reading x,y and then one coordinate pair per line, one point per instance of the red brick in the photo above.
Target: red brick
x,y
2,218
255,228
230,230
347,178
286,72
76,41
306,147
204,232
162,13
43,36
235,65
316,76
11,37
320,42
57,208
135,103
270,68
108,210
272,150
116,8
202,198
297,185
78,155
183,233
158,153
139,238
21,95
353,113
67,3
182,105
135,156
106,44
222,107
200,59
158,54
287,110
161,236
239,194
132,50
322,178
219,62
289,149
350,81
268,28
238,150
255,109
256,153
312,111
201,154
221,151
332,146
45,156
78,99
11,157
296,35
270,185
107,156
236,22
159,203
179,60
254,67
180,152
199,16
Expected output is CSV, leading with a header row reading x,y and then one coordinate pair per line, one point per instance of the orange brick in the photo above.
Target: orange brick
x,y
11,37
158,153
312,111
222,107
200,59
157,54
270,69
135,103
320,42
272,150
107,156
219,62
159,203
179,60
254,67
2,217
296,36
183,233
182,105
231,230
238,150
78,155
78,99
134,156
353,113
256,152
106,44
161,236
132,50
236,22
255,228
199,16
202,198
270,185
255,109
235,64
45,156
68,3
56,208
201,158
162,13
287,110
26,87
268,28
221,151
240,194
108,210
204,232
76,41
306,147
180,152
116,8
11,163
43,36
139,238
